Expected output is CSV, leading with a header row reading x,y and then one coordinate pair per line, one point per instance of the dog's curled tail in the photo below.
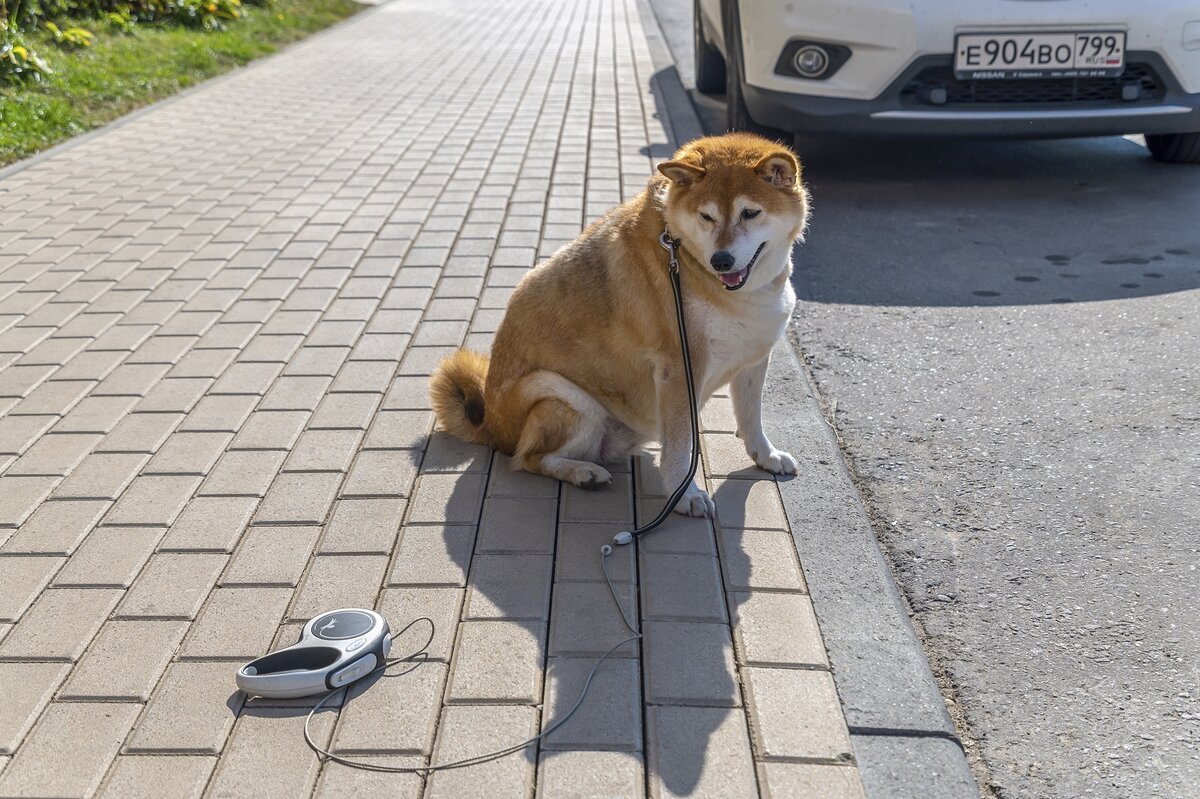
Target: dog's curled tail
x,y
456,392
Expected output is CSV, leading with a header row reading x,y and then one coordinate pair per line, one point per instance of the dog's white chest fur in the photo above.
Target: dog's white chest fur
x,y
742,335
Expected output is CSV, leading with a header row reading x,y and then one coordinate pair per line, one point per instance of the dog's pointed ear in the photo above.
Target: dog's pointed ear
x,y
780,169
682,173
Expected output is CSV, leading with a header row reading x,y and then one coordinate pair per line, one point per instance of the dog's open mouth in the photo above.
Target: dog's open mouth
x,y
735,280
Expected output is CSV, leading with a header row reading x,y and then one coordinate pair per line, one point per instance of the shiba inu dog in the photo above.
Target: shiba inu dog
x,y
586,363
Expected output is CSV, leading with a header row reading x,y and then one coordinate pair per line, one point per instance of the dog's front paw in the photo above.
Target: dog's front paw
x,y
776,462
590,477
696,502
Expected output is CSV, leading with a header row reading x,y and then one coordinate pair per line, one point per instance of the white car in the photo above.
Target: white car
x,y
1029,68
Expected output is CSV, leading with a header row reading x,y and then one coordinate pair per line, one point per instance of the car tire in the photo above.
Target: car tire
x,y
710,64
737,115
1174,148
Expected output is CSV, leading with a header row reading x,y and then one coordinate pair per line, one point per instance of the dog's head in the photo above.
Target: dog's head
x,y
737,203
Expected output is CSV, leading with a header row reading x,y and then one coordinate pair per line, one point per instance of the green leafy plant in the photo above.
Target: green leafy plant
x,y
14,14
208,14
70,37
120,20
18,61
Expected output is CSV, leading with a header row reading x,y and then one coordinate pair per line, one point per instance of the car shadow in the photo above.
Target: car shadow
x,y
985,223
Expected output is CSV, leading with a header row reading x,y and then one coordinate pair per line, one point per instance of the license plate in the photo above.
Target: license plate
x,y
1082,54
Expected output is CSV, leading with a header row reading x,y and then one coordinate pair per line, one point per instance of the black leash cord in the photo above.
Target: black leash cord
x,y
626,537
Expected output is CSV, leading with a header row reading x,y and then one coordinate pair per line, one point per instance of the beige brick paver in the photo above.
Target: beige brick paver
x,y
584,621
172,586
153,500
811,779
407,706
237,623
382,473
338,780
433,555
615,720
509,587
243,473
55,454
760,559
102,475
698,751
188,453
111,556
266,755
271,556
212,524
138,433
19,497
681,587
614,506
518,524
773,693
143,776
299,498
21,580
338,581
447,454
214,424
464,731
29,688
368,525
59,625
590,774
575,555
443,605
69,750
748,504
497,661
125,661
688,663
776,629
192,710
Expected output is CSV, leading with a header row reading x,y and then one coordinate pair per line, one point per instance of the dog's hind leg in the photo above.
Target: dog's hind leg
x,y
620,441
562,433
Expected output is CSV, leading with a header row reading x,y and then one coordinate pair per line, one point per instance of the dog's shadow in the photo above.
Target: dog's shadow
x,y
516,641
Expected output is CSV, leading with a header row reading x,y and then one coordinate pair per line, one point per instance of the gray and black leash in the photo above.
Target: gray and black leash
x,y
671,245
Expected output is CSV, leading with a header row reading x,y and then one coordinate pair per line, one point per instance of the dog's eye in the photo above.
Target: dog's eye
x,y
705,217
750,213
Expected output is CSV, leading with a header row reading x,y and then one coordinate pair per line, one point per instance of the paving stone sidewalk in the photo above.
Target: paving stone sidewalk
x,y
216,325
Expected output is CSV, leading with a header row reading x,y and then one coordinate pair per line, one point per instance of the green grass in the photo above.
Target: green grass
x,y
123,71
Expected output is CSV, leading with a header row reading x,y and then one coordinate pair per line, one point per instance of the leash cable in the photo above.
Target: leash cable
x,y
421,655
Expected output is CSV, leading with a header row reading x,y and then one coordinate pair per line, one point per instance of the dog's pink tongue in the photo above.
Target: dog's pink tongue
x,y
733,278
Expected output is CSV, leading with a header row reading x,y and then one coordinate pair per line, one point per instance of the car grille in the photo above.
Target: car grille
x,y
1031,91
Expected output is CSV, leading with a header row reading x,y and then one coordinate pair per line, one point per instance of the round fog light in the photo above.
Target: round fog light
x,y
811,61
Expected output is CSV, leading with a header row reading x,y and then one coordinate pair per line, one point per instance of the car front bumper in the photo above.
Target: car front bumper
x,y
895,112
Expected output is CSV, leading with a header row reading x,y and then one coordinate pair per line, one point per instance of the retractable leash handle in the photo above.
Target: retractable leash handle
x,y
671,245
335,649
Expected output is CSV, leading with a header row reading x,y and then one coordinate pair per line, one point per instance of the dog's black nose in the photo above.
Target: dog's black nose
x,y
722,260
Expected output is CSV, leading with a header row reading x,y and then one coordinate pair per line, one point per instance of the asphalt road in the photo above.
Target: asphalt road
x,y
1009,333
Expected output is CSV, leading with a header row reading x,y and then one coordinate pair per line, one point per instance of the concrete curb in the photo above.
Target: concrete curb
x,y
681,119
904,740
